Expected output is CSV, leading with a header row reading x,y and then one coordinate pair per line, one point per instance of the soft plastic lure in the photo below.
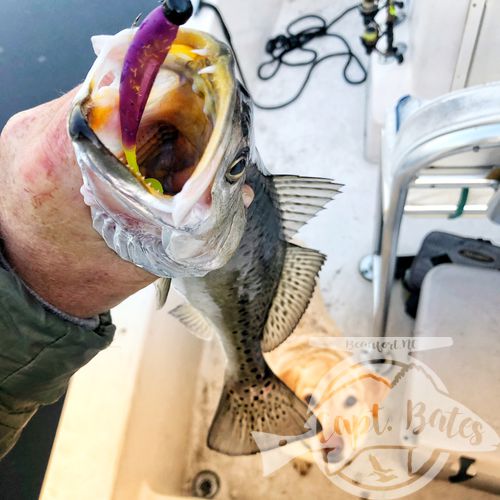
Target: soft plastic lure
x,y
144,57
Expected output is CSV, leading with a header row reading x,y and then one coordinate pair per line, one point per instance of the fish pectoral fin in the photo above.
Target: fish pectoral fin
x,y
294,292
301,198
162,288
243,410
194,321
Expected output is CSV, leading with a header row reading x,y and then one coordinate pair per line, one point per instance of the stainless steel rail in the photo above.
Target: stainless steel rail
x,y
463,124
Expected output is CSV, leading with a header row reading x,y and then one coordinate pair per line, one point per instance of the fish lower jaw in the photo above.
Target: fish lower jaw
x,y
162,251
144,251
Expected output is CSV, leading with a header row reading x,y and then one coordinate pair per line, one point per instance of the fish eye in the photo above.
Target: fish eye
x,y
350,401
237,168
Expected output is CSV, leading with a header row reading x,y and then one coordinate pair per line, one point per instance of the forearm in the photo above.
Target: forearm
x,y
82,287
46,228
53,265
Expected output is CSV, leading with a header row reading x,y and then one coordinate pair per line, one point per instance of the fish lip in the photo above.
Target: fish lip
x,y
79,129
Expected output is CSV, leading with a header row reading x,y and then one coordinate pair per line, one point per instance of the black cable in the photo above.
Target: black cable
x,y
342,14
282,45
227,35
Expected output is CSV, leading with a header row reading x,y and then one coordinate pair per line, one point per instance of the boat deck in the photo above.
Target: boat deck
x,y
153,432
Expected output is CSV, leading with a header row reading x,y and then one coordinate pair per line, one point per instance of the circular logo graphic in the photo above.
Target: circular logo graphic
x,y
373,406
388,424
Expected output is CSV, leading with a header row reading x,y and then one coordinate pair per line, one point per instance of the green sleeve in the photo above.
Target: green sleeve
x,y
39,352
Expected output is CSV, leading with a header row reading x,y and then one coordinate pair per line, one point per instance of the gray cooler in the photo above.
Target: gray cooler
x,y
464,303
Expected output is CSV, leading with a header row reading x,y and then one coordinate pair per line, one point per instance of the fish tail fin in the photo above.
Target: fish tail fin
x,y
266,405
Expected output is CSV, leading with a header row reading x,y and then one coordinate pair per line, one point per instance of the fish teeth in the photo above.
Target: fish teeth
x,y
200,52
207,69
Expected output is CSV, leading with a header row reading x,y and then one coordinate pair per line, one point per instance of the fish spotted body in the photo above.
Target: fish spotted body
x,y
233,261
185,231
253,303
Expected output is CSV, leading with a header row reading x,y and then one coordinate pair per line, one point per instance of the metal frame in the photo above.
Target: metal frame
x,y
464,122
469,41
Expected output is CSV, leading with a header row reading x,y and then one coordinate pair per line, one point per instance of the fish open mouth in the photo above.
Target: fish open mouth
x,y
171,144
183,116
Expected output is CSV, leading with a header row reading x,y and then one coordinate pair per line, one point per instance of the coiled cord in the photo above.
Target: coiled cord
x,y
282,45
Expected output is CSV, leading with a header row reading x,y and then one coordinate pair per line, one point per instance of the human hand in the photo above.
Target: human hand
x,y
46,227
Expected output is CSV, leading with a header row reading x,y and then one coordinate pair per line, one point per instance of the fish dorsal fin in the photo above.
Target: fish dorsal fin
x,y
295,289
193,320
162,288
301,198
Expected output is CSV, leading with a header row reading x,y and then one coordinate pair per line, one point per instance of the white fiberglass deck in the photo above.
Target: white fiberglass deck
x,y
135,421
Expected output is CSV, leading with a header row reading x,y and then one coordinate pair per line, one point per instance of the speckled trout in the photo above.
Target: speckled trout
x,y
220,226
253,303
